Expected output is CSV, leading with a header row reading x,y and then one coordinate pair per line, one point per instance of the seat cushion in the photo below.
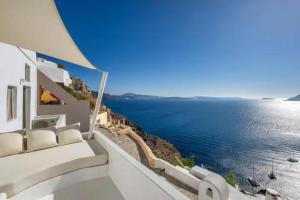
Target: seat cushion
x,y
10,143
40,139
69,136
21,171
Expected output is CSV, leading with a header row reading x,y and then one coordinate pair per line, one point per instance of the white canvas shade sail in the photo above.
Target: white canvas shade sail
x,y
36,25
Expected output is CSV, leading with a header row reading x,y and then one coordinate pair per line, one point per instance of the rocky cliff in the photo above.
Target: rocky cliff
x,y
79,85
161,148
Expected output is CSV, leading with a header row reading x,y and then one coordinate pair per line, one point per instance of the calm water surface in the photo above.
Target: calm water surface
x,y
240,136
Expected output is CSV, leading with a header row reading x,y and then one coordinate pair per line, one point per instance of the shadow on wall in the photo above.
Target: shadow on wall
x,y
75,110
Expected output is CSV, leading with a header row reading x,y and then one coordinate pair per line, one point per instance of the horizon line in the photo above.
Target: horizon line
x,y
209,96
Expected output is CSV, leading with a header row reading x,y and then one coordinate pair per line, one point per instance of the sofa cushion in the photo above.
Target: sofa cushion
x,y
21,171
69,135
40,139
10,143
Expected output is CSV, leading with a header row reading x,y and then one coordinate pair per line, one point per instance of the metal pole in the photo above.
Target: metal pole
x,y
98,104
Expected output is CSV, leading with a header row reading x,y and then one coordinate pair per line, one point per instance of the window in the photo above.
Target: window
x,y
11,102
27,72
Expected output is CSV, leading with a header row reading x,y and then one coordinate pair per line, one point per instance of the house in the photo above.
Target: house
x,y
19,91
22,79
55,72
20,99
18,88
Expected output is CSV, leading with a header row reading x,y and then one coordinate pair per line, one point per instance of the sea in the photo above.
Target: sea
x,y
245,137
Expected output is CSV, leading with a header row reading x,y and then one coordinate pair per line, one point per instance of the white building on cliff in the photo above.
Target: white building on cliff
x,y
54,72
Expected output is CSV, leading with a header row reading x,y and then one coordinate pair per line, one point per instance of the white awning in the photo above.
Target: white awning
x,y
36,25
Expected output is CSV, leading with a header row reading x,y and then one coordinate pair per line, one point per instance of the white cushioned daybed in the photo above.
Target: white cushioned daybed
x,y
21,171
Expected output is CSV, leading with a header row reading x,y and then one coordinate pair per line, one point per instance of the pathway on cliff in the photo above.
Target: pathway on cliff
x,y
131,147
128,144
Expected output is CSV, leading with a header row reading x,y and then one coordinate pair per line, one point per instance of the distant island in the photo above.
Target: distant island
x,y
295,98
267,98
133,96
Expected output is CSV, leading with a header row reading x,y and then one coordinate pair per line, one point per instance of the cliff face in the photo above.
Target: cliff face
x,y
79,85
161,148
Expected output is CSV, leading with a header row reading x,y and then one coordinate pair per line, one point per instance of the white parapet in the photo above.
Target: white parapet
x,y
178,173
200,172
132,178
213,187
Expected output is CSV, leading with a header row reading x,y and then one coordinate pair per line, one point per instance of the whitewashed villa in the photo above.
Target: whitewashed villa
x,y
68,161
53,71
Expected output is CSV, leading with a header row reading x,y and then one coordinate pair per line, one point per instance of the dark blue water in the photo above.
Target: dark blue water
x,y
228,136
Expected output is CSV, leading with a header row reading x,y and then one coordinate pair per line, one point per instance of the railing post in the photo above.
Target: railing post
x,y
98,104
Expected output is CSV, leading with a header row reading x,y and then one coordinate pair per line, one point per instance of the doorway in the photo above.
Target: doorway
x,y
26,106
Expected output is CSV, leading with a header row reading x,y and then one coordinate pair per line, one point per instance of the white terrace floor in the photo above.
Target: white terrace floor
x,y
97,189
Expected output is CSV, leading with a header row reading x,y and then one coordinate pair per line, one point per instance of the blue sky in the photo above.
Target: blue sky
x,y
247,48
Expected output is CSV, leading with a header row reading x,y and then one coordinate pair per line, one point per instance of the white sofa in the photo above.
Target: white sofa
x,y
21,171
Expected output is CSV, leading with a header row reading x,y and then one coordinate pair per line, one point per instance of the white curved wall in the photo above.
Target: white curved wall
x,y
178,173
133,179
12,70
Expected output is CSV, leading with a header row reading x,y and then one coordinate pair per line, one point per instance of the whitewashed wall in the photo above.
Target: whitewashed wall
x,y
12,70
76,111
56,74
133,179
178,173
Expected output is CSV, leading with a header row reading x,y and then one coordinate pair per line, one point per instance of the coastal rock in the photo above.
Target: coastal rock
x,y
79,85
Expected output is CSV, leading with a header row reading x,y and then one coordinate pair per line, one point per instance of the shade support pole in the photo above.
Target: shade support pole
x,y
98,104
